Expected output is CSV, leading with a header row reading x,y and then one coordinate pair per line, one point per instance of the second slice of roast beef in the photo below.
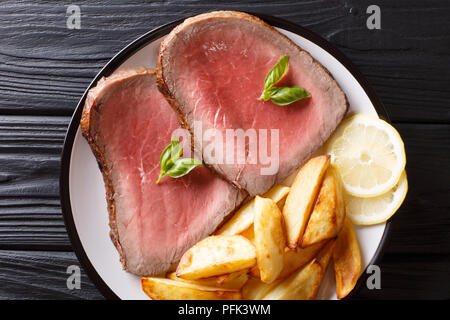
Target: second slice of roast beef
x,y
212,69
128,123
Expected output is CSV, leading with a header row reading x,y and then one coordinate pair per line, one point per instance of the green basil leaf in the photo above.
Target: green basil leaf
x,y
182,167
170,154
283,96
276,73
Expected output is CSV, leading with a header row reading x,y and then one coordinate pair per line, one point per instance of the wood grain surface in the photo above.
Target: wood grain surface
x,y
45,68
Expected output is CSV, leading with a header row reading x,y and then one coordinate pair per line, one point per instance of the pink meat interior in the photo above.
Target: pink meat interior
x,y
222,70
155,222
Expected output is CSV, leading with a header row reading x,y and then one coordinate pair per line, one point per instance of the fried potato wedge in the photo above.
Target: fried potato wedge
x,y
301,285
347,260
166,289
240,221
301,197
215,256
298,258
325,254
243,218
269,239
255,289
294,259
328,214
278,194
233,281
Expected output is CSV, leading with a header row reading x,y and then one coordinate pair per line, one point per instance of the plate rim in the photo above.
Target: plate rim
x,y
126,53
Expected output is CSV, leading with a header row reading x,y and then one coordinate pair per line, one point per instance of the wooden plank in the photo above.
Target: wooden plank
x,y
30,148
32,223
45,67
411,89
41,275
30,212
406,61
411,277
422,224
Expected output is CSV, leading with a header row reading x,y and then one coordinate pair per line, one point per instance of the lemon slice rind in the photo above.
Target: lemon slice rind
x,y
358,209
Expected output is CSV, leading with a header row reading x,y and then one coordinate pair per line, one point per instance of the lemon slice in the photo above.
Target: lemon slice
x,y
368,211
369,155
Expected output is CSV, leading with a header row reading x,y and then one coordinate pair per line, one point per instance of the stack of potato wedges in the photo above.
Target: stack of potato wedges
x,y
275,247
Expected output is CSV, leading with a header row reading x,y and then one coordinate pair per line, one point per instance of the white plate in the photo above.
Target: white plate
x,y
83,193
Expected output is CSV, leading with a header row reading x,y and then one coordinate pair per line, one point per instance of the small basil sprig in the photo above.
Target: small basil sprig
x,y
172,165
276,73
281,96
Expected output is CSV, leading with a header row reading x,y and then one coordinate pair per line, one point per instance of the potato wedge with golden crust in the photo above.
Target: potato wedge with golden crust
x,y
347,260
294,259
278,194
301,285
243,218
255,289
233,281
240,221
301,198
166,289
269,239
328,214
325,254
215,256
298,258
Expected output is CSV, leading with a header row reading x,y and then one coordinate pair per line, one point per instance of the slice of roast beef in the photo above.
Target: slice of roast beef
x,y
128,123
212,68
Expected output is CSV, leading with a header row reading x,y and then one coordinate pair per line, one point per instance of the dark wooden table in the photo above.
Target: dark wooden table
x,y
45,68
